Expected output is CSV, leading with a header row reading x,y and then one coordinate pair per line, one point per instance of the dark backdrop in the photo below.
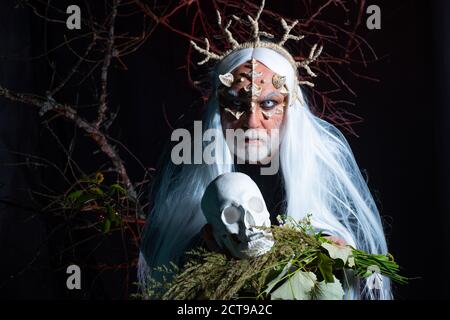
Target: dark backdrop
x,y
402,146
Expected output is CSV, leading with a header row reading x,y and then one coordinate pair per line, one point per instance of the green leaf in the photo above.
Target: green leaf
x,y
75,195
77,198
328,291
112,215
118,188
325,267
338,252
297,287
97,191
279,278
106,226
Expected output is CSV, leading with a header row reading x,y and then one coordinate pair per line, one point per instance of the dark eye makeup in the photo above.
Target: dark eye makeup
x,y
268,104
228,99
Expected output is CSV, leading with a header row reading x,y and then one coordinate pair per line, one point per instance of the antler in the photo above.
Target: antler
x,y
287,28
306,83
313,55
206,52
231,40
255,25
227,32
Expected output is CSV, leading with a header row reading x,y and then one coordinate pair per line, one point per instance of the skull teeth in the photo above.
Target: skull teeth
x,y
256,236
259,247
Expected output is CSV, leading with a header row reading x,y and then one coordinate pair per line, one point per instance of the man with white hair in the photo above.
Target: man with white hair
x,y
256,88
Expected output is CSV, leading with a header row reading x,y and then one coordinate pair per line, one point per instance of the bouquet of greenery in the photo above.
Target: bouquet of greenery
x,y
301,265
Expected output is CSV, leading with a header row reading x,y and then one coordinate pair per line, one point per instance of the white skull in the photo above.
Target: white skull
x,y
234,206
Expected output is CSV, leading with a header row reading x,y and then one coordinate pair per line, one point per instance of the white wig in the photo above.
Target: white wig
x,y
320,177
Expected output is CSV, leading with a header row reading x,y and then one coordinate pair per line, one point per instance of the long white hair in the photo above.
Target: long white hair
x,y
320,177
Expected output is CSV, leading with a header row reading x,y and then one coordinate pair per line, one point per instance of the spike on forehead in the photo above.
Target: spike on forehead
x,y
256,90
278,81
253,73
253,89
226,79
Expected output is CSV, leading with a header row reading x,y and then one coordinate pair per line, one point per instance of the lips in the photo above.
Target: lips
x,y
252,141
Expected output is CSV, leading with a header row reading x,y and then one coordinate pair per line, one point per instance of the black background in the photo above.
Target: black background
x,y
402,145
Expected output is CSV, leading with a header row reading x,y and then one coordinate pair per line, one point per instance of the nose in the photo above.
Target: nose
x,y
249,221
252,119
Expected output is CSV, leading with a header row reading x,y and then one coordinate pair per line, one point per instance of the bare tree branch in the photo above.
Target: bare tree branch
x,y
109,54
44,105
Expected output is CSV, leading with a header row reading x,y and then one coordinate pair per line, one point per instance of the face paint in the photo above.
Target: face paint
x,y
253,103
253,79
234,113
269,114
279,109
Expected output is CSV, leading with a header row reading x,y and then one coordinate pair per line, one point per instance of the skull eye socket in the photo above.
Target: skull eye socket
x,y
231,214
255,204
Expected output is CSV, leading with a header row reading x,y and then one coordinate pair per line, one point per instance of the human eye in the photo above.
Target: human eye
x,y
232,103
268,104
236,103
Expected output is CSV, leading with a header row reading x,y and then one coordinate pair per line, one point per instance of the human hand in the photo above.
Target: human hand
x,y
339,241
210,242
